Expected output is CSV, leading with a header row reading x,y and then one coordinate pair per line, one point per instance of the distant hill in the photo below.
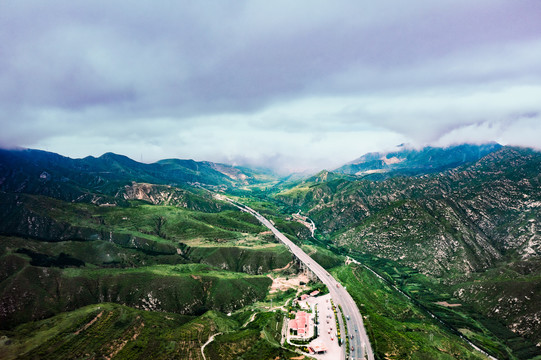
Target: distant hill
x,y
45,173
409,162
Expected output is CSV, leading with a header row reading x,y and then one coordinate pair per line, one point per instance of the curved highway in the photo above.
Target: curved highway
x,y
360,343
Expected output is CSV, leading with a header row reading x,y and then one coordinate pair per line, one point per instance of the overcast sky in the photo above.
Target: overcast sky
x,y
288,84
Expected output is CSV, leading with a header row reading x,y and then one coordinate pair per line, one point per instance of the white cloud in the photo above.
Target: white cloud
x,y
425,117
519,132
290,84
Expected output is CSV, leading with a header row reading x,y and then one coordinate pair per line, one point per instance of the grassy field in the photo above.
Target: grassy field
x,y
397,328
259,340
114,331
470,313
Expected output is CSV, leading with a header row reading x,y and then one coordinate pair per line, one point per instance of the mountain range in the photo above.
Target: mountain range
x,y
99,179
456,225
410,162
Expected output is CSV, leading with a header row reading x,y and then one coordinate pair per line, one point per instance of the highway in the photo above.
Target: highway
x,y
339,295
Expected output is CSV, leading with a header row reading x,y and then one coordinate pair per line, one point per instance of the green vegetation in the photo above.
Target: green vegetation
x,y
472,318
345,329
252,260
397,328
323,257
414,162
111,330
184,289
167,260
313,286
260,340
150,227
109,258
153,257
337,324
451,240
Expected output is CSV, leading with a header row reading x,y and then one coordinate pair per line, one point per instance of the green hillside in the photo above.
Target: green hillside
x,y
100,253
99,180
120,332
472,228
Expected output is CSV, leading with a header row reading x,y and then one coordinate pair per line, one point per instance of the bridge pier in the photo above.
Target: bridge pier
x,y
306,270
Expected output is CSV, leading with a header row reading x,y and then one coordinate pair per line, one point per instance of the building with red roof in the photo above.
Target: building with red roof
x,y
299,325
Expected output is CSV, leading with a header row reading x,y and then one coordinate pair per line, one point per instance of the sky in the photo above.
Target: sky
x,y
291,85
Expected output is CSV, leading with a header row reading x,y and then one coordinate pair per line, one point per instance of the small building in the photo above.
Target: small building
x,y
299,325
314,293
317,348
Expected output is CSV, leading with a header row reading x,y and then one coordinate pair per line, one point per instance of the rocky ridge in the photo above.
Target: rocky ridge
x,y
474,228
463,219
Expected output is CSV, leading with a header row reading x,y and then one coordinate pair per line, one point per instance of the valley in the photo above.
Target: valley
x,y
124,259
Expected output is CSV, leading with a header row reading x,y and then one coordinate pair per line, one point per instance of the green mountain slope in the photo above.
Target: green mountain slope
x,y
120,332
167,249
35,293
452,226
144,243
99,179
454,207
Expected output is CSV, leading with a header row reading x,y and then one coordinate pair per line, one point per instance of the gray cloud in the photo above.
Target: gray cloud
x,y
311,83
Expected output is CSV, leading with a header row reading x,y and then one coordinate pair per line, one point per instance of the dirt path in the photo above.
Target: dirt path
x,y
211,339
285,267
252,318
445,303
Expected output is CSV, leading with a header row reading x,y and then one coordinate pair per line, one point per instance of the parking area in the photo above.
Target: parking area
x,y
326,328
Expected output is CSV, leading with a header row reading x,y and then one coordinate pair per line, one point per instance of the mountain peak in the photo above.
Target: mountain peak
x,y
112,155
410,161
323,175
